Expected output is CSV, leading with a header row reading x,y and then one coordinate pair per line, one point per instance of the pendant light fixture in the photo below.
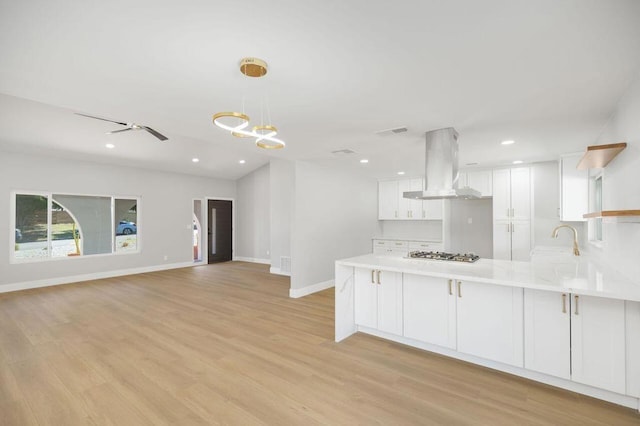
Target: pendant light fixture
x,y
237,123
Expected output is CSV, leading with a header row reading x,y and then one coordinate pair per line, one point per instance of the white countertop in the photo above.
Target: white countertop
x,y
562,273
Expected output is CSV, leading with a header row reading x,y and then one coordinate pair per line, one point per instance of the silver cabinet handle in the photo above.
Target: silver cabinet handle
x,y
508,211
513,228
508,227
564,303
459,288
379,272
513,212
450,289
372,278
576,299
398,244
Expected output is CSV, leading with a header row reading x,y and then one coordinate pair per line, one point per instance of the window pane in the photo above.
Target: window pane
x,y
66,236
93,218
126,228
31,227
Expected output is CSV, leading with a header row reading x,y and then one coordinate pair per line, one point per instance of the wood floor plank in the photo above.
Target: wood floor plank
x,y
224,344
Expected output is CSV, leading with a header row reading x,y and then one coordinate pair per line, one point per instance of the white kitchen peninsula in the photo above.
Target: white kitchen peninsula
x,y
561,320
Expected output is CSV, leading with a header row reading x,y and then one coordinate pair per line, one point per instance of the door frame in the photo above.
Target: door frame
x,y
205,241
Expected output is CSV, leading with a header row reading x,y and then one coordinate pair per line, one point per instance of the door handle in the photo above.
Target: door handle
x,y
372,277
379,272
459,288
450,289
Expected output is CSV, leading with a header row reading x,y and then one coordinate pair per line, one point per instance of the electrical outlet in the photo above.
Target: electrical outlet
x,y
166,257
470,220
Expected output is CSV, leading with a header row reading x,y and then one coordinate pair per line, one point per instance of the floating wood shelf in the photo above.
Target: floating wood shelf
x,y
598,156
615,215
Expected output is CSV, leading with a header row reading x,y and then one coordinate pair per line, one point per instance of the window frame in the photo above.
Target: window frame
x,y
49,195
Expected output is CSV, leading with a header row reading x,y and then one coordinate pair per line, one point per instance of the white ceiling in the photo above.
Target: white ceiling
x,y
546,73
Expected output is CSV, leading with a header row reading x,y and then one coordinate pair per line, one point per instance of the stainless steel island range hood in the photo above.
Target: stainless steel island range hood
x,y
441,168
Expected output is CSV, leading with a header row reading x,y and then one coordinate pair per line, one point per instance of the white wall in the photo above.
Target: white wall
x,y
282,190
621,186
335,217
165,212
253,214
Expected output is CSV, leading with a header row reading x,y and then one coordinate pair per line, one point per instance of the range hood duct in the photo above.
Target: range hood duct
x,y
441,168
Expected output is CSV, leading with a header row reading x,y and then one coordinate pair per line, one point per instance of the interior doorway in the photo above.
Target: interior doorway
x,y
197,231
220,231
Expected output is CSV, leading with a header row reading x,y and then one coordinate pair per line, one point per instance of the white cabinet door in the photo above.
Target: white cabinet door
x,y
432,209
521,193
388,200
429,310
632,326
547,344
378,299
521,240
501,194
490,322
598,342
409,208
389,301
366,298
480,180
574,189
502,240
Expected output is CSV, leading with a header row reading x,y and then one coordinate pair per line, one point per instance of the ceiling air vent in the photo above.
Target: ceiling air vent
x,y
394,131
345,151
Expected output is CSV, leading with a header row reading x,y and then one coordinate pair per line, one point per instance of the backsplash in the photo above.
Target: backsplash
x,y
423,229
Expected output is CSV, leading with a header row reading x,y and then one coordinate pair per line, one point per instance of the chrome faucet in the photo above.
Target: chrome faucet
x,y
554,234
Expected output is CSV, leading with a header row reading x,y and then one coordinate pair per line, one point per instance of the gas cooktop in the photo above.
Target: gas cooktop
x,y
438,255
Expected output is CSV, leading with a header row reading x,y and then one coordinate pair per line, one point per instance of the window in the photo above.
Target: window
x,y
64,225
595,205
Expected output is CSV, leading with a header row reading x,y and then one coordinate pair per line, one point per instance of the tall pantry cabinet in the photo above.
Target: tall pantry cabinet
x,y
512,213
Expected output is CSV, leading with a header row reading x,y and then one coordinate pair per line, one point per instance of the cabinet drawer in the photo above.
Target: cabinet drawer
x,y
425,246
391,244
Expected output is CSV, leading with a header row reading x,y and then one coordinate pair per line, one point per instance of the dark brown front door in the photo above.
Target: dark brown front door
x,y
220,231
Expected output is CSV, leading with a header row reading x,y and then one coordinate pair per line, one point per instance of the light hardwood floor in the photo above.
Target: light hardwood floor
x,y
224,344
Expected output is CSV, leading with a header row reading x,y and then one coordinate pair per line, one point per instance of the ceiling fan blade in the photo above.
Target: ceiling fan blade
x,y
119,131
100,118
154,133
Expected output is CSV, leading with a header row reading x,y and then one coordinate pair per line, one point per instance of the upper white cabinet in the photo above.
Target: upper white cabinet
x,y
393,206
490,321
388,199
574,189
430,310
481,180
408,208
378,296
512,213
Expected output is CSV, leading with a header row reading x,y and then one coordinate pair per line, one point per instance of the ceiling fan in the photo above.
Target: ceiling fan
x,y
130,126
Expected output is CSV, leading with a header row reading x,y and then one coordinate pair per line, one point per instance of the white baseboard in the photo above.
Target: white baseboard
x,y
25,285
277,271
304,291
252,260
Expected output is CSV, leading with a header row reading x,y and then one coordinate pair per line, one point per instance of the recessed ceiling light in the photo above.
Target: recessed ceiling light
x,y
195,160
241,161
364,161
509,142
400,173
518,162
110,146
